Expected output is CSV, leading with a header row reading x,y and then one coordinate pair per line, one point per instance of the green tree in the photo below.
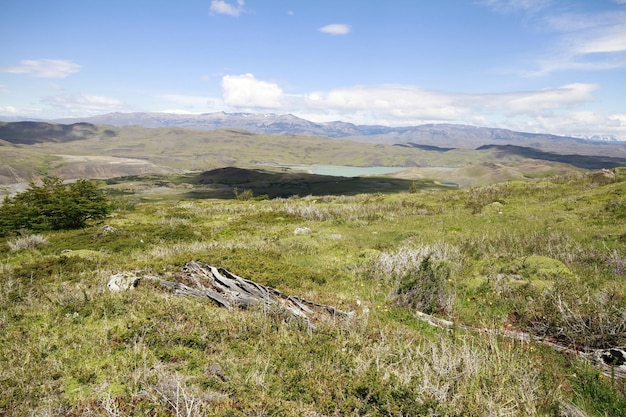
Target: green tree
x,y
53,205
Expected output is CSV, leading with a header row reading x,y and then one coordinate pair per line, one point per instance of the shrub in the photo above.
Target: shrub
x,y
572,316
616,207
51,268
53,205
414,187
423,289
26,242
245,195
418,275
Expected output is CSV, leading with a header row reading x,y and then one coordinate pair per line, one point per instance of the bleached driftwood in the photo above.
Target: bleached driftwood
x,y
232,291
612,362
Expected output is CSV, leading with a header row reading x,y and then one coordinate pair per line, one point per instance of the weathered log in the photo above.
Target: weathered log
x,y
612,362
229,290
181,289
570,410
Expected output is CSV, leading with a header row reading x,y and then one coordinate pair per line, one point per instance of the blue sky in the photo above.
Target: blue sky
x,y
556,66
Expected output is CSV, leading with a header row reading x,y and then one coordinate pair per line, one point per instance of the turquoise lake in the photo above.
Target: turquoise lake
x,y
352,171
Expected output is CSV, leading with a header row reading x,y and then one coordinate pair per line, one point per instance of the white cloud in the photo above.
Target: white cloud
x,y
222,7
588,42
248,92
335,29
394,101
591,33
44,68
536,103
580,123
400,104
84,104
611,39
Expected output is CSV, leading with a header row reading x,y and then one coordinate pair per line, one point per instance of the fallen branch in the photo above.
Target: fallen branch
x,y
232,291
612,362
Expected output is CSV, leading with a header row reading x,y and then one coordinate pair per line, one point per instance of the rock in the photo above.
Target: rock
x,y
106,229
302,231
122,281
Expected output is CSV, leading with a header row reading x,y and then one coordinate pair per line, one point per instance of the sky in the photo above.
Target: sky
x,y
545,66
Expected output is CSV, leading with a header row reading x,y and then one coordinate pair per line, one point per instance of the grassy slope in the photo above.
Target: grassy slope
x,y
500,256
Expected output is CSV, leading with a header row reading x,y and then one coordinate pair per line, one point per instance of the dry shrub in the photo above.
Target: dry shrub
x,y
419,275
26,242
455,377
583,318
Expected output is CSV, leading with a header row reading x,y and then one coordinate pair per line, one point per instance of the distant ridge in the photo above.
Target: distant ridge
x,y
447,135
580,161
440,137
30,133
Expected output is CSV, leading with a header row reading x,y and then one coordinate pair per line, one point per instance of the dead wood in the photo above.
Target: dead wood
x,y
232,291
570,410
612,362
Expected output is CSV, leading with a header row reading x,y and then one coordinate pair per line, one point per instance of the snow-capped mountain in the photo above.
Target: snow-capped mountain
x,y
601,138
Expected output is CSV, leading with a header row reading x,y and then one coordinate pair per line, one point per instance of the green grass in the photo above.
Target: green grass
x,y
69,347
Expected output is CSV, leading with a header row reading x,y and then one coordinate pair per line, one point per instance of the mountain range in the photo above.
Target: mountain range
x,y
452,135
442,135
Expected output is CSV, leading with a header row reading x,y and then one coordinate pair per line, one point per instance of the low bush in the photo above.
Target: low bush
x,y
51,268
26,242
572,314
424,289
419,276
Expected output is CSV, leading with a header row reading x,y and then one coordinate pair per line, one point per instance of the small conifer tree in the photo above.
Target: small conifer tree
x,y
53,205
